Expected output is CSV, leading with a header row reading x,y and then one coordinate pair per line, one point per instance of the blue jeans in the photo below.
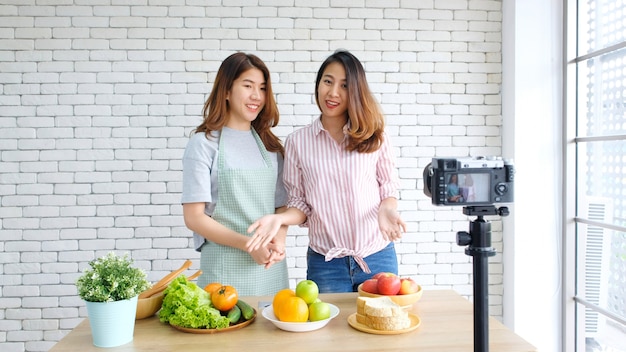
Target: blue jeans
x,y
344,274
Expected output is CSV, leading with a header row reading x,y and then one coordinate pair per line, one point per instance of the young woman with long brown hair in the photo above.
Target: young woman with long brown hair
x,y
342,183
232,175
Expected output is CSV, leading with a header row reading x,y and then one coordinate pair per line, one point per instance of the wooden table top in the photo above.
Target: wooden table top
x,y
446,325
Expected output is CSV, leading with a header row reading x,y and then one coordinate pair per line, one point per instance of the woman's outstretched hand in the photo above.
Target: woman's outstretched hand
x,y
263,231
389,221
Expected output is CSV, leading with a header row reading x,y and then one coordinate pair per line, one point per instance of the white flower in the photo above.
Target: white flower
x,y
111,278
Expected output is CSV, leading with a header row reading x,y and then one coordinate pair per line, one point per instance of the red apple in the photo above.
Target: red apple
x,y
389,285
370,285
407,286
382,274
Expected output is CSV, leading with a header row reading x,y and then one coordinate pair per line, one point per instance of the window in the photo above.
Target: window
x,y
597,65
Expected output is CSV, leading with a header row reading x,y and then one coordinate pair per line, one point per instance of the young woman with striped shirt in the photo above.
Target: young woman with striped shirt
x,y
342,183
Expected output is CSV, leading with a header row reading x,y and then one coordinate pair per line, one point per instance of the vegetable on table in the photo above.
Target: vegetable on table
x,y
224,298
187,305
246,310
234,314
162,288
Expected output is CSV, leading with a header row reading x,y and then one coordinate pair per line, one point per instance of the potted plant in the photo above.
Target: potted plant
x,y
110,287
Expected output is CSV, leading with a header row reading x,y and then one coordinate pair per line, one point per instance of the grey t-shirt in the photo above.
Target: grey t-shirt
x,y
200,168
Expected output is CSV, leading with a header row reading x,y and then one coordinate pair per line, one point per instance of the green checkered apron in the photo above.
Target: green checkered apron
x,y
244,195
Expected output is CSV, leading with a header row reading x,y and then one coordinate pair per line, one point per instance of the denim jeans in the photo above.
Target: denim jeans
x,y
344,274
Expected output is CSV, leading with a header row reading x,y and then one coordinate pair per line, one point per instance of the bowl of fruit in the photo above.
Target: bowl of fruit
x,y
403,291
301,309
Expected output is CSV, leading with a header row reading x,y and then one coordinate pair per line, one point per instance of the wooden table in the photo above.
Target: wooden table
x,y
446,325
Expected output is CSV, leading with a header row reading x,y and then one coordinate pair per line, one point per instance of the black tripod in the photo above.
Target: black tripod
x,y
478,242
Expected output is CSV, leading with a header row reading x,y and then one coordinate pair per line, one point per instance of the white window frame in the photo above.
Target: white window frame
x,y
573,333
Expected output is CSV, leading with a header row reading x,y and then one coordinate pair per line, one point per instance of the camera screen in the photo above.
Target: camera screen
x,y
468,188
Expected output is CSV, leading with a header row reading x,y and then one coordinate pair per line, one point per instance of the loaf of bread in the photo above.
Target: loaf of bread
x,y
381,313
384,323
378,307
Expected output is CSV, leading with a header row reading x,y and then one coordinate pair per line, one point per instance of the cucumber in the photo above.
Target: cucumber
x,y
246,310
234,314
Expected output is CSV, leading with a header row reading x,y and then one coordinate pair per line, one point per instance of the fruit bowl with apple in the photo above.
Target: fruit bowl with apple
x,y
403,291
300,309
268,313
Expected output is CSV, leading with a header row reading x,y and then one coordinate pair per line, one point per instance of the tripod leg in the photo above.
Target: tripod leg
x,y
481,304
480,249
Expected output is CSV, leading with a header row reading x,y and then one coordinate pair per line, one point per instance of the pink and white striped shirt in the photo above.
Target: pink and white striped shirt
x,y
339,191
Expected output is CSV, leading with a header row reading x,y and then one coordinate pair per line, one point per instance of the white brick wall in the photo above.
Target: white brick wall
x,y
97,99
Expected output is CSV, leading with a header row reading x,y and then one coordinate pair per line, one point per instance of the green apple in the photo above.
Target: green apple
x,y
307,290
319,311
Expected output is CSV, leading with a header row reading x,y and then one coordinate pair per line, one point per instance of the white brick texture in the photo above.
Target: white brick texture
x,y
98,97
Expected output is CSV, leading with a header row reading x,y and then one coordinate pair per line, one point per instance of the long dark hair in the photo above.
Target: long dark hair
x,y
367,122
216,106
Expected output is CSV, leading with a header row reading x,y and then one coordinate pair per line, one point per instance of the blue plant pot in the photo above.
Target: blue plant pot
x,y
112,323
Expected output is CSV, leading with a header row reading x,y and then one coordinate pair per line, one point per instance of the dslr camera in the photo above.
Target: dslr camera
x,y
469,181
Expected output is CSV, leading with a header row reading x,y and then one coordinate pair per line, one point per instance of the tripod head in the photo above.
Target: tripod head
x,y
482,210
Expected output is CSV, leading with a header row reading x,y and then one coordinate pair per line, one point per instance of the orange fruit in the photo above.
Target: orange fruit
x,y
280,297
212,287
293,309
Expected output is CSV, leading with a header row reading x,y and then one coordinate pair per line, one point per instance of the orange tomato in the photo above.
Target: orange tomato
x,y
279,298
293,309
212,287
224,298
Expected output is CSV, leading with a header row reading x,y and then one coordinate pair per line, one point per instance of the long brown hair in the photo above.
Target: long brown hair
x,y
367,122
216,106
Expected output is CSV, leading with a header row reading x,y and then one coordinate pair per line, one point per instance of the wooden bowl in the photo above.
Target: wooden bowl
x,y
406,301
147,307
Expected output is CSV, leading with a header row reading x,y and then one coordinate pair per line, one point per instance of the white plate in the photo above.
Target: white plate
x,y
268,313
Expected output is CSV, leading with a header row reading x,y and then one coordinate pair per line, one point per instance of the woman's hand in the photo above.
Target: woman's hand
x,y
263,230
261,256
268,227
277,253
389,221
269,255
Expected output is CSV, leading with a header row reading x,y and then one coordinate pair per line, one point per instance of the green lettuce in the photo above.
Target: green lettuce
x,y
187,305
